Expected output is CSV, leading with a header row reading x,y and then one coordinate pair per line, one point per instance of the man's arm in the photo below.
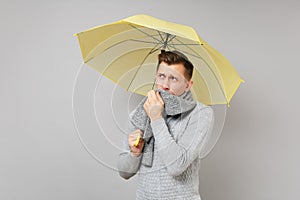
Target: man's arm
x,y
128,162
177,156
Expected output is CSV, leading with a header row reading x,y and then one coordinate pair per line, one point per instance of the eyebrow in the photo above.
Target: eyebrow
x,y
162,74
171,75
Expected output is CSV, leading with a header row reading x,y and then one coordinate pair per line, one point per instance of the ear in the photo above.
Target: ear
x,y
189,85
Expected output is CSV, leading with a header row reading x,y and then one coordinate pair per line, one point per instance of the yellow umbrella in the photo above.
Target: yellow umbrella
x,y
126,52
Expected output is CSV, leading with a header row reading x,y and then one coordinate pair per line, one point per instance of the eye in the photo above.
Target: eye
x,y
161,76
174,79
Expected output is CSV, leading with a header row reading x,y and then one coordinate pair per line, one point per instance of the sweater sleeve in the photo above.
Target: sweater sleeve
x,y
178,155
128,164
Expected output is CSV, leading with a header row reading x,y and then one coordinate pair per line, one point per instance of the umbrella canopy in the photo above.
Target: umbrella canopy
x,y
127,51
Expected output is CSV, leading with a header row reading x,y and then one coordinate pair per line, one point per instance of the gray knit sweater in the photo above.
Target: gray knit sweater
x,y
176,162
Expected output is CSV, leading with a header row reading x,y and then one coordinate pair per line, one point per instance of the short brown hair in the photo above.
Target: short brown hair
x,y
176,57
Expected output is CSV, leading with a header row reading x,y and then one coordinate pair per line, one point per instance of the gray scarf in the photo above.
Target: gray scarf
x,y
174,105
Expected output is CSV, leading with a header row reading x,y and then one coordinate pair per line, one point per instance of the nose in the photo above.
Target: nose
x,y
166,85
166,88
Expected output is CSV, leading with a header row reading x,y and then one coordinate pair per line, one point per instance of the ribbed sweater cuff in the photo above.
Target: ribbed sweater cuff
x,y
133,158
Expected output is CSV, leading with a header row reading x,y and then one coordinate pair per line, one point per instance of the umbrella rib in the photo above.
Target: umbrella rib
x,y
154,50
166,40
161,37
144,33
144,41
181,43
185,44
174,36
173,46
170,39
197,55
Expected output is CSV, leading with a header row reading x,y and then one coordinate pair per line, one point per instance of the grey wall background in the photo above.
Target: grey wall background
x,y
41,153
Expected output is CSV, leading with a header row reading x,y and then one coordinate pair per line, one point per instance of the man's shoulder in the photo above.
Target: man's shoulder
x,y
201,107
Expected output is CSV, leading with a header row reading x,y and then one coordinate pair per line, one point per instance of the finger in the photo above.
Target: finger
x,y
131,140
159,98
134,149
137,133
146,105
151,96
140,132
149,93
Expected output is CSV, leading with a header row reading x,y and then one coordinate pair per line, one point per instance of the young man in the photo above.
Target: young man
x,y
172,127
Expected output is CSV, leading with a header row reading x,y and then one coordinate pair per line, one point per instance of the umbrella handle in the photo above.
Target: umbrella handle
x,y
136,143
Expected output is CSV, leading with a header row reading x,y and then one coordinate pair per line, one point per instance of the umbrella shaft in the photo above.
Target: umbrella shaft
x,y
166,42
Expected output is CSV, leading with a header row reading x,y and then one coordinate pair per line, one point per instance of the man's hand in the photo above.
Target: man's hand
x,y
154,105
136,149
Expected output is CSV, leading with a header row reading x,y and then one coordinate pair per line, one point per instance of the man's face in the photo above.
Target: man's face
x,y
171,79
